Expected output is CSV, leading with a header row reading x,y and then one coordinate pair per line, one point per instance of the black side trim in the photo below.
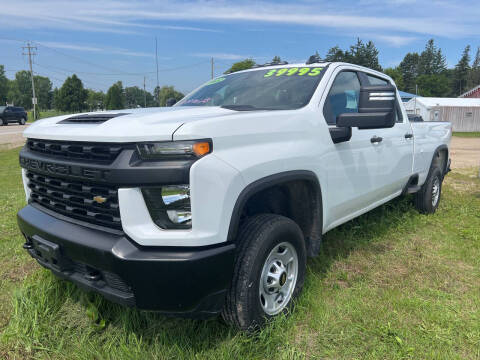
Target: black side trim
x,y
263,184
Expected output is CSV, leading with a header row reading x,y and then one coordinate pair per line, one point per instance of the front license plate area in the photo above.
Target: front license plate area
x,y
47,253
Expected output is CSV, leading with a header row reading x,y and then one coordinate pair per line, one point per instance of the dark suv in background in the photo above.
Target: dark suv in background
x,y
9,114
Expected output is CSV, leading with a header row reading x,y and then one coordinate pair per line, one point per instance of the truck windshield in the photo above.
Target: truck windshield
x,y
267,89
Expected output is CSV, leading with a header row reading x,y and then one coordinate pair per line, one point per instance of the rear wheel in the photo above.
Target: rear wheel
x,y
428,198
269,271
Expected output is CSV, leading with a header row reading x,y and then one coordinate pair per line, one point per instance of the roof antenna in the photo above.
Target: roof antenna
x,y
314,59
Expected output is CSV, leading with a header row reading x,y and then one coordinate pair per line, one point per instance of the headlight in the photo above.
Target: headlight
x,y
169,206
174,149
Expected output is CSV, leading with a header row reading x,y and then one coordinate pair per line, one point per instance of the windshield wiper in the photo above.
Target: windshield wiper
x,y
240,107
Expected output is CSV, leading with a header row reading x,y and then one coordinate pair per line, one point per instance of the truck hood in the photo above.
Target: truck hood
x,y
151,124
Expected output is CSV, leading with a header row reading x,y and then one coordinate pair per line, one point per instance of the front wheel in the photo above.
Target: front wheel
x,y
428,198
269,271
22,121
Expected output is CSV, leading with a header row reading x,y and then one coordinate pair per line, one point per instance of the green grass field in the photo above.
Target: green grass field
x,y
45,114
467,134
392,284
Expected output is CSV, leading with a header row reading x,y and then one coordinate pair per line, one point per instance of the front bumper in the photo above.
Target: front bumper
x,y
179,281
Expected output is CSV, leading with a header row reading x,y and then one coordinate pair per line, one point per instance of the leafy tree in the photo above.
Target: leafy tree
x,y
276,60
433,85
95,100
462,71
135,97
43,92
20,92
396,75
3,86
409,69
241,65
162,94
115,98
431,60
71,96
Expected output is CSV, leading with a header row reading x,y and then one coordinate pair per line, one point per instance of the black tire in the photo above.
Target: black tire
x,y
258,236
425,199
22,121
4,122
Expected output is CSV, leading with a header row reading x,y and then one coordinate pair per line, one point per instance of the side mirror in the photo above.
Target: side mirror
x,y
376,109
171,102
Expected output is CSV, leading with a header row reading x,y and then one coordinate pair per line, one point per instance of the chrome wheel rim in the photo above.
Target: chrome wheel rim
x,y
435,191
278,278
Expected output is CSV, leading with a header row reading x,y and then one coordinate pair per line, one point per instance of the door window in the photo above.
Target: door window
x,y
343,96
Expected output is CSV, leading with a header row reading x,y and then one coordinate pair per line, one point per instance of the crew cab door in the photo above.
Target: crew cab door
x,y
352,166
394,151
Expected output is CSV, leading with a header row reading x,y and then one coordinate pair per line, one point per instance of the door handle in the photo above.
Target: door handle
x,y
376,139
408,136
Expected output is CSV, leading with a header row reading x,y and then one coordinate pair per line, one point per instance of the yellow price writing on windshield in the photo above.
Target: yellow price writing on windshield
x,y
294,71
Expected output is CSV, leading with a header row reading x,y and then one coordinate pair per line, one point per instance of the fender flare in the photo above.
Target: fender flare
x,y
272,180
435,152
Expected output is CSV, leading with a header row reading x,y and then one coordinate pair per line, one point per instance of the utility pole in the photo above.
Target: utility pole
x,y
212,67
30,54
144,93
156,60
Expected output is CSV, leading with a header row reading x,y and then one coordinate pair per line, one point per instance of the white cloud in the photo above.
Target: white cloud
x,y
98,49
437,18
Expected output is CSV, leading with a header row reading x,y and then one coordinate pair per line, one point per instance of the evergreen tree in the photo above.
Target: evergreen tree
x,y
474,77
360,54
462,72
335,54
409,70
276,60
115,98
431,60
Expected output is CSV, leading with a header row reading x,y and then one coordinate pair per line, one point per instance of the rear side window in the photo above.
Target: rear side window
x,y
342,97
373,80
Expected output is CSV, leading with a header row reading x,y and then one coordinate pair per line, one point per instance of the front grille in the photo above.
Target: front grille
x,y
96,152
76,199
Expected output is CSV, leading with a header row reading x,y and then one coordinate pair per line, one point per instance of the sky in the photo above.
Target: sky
x,y
106,41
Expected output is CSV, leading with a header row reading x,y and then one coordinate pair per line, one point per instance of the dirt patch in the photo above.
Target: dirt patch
x,y
11,136
465,152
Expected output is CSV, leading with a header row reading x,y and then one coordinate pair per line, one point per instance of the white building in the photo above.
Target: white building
x,y
463,113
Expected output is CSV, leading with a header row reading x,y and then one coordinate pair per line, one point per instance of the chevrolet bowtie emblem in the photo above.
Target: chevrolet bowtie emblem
x,y
99,199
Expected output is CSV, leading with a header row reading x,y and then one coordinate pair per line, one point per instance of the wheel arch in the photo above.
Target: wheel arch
x,y
306,209
440,156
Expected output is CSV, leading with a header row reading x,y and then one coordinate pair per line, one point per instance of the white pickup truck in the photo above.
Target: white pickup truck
x,y
213,205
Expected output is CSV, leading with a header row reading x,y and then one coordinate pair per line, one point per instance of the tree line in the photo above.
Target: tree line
x,y
426,71
72,96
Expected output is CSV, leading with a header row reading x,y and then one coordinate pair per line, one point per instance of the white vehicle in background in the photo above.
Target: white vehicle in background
x,y
213,205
